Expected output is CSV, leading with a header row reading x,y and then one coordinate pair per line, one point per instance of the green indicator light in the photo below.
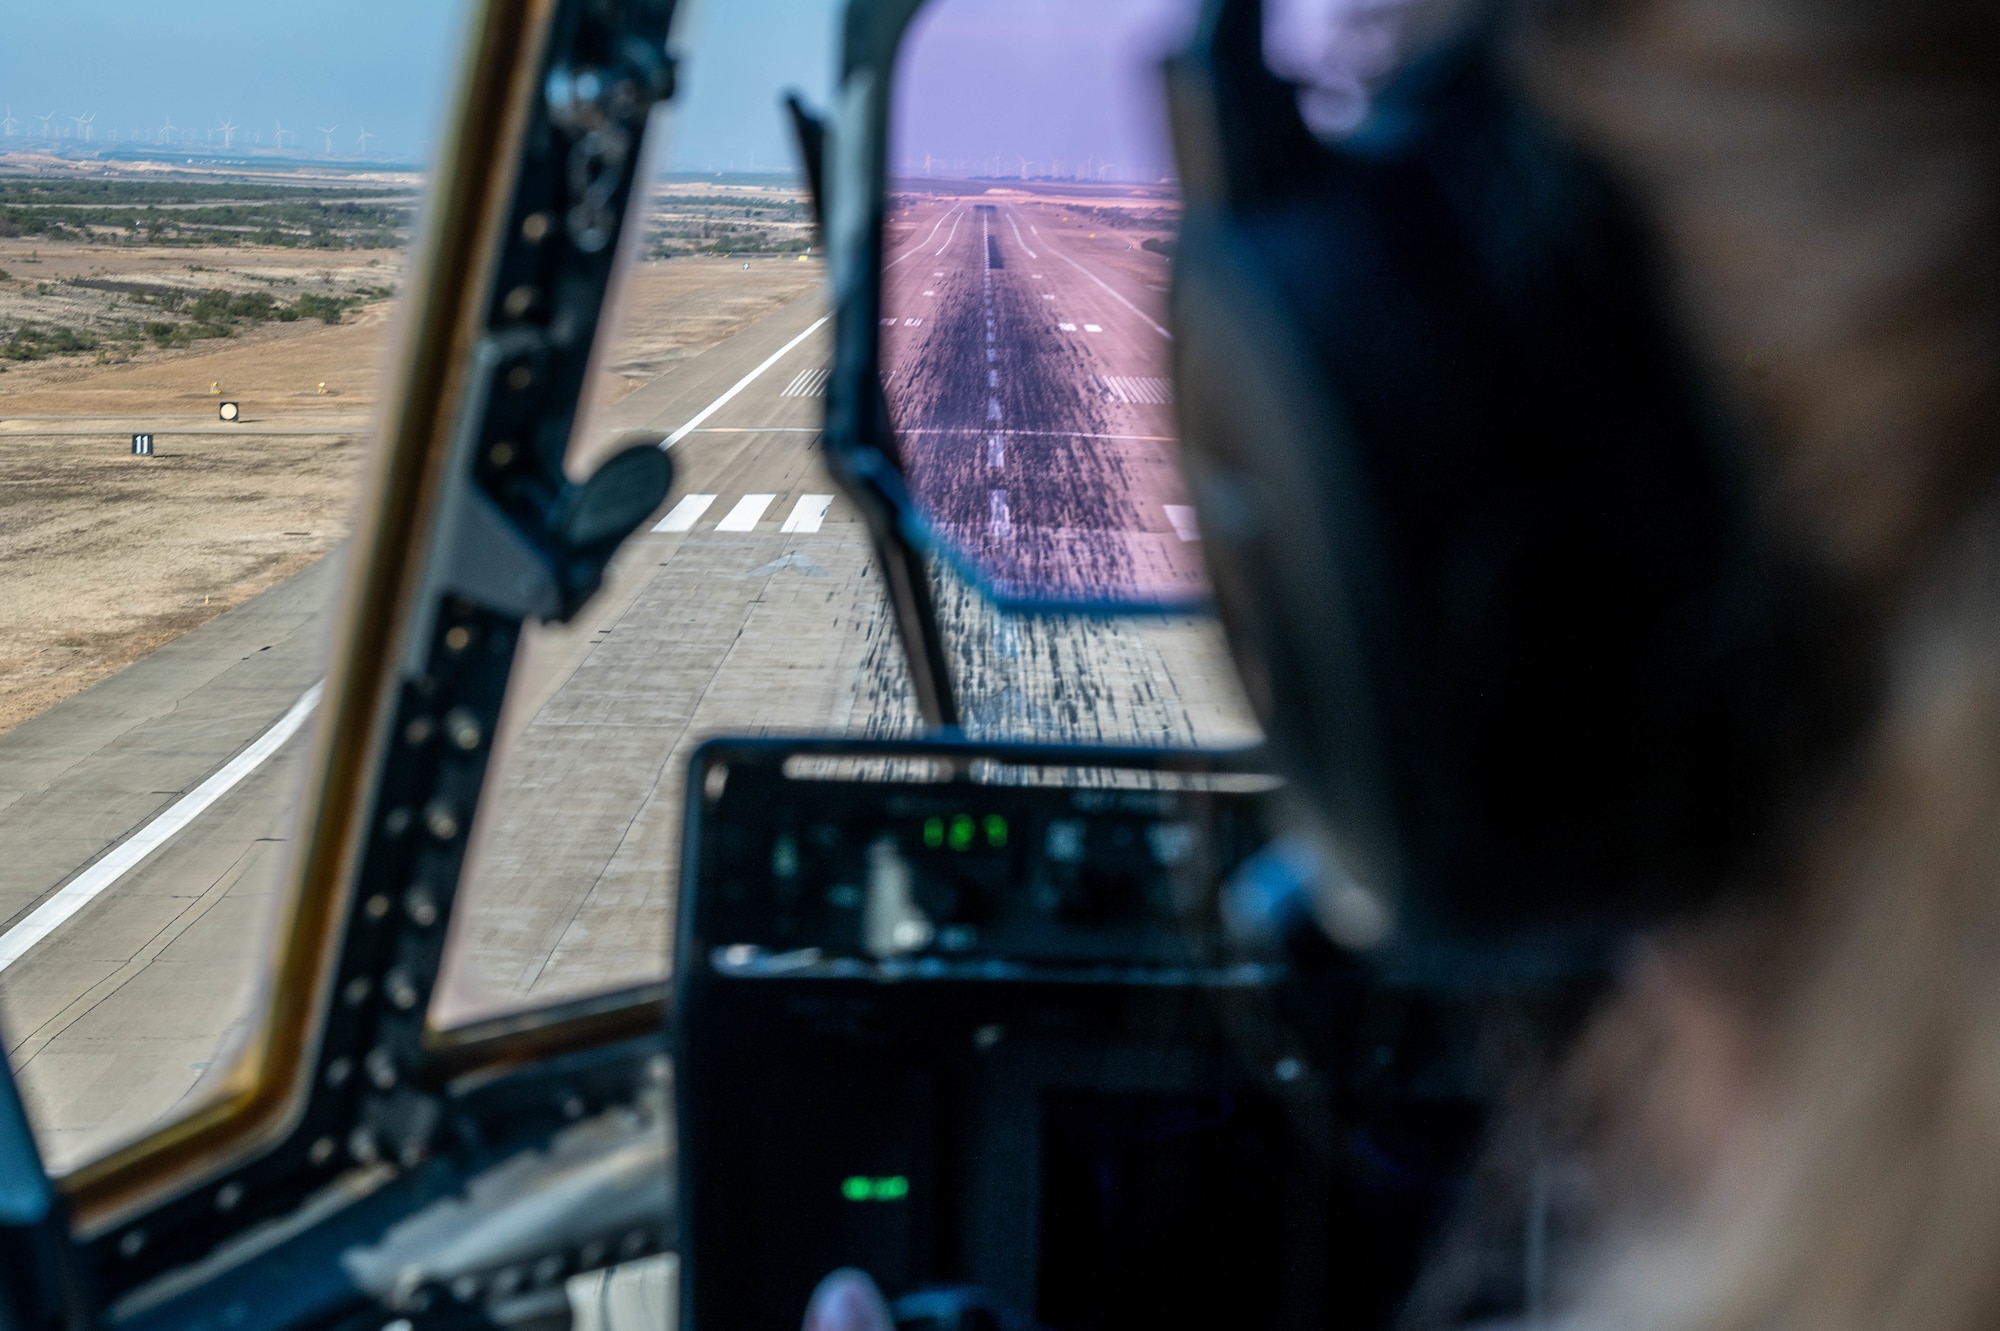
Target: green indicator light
x,y
961,831
933,832
996,830
888,1188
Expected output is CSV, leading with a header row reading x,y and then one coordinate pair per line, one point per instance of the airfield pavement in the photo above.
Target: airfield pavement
x,y
748,604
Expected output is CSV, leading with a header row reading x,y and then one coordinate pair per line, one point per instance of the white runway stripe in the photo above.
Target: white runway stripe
x,y
746,513
683,516
1138,388
1183,519
807,383
927,240
81,890
1017,235
1002,525
948,239
808,513
742,384
1113,294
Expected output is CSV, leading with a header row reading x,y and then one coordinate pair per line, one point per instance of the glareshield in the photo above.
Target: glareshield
x,y
1025,351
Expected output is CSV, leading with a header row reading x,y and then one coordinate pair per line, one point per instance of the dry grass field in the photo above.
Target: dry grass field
x,y
104,557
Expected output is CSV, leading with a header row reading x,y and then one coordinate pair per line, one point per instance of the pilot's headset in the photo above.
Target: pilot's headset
x,y
1488,560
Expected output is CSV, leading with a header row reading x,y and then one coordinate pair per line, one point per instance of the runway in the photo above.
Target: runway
x,y
746,605
1027,368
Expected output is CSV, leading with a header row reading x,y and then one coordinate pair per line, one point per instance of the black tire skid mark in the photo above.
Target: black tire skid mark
x,y
1069,500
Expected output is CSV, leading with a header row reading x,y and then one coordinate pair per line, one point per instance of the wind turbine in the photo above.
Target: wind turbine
x,y
227,130
282,131
7,125
363,140
167,130
84,124
45,119
328,131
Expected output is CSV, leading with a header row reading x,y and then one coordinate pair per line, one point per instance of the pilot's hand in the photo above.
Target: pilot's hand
x,y
847,1300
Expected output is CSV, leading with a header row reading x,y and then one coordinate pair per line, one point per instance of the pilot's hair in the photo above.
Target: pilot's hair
x,y
1827,178
1847,1117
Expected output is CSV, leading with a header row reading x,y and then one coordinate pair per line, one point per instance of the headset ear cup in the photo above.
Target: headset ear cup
x,y
1287,535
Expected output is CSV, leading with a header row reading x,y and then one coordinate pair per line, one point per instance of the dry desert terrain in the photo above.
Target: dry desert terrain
x,y
104,556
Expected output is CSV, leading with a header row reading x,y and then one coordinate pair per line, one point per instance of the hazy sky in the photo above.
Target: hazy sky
x,y
387,64
983,78
743,55
984,84
135,63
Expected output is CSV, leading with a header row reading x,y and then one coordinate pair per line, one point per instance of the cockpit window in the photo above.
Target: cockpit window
x,y
753,603
204,221
749,602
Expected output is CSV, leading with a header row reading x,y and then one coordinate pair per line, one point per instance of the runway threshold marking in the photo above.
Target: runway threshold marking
x,y
683,516
87,886
743,383
1183,520
809,382
808,513
746,513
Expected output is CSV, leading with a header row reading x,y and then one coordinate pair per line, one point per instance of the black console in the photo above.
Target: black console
x,y
970,1016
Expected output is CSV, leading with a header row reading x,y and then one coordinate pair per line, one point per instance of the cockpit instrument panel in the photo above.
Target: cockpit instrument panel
x,y
975,864
969,1018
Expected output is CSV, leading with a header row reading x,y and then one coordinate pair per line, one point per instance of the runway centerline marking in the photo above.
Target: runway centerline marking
x,y
87,886
742,383
808,513
744,516
683,516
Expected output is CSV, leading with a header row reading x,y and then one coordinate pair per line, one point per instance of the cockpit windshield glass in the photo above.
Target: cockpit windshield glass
x,y
752,602
1025,353
205,212
748,603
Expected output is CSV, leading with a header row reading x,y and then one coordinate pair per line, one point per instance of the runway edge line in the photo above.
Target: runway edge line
x,y
742,383
87,886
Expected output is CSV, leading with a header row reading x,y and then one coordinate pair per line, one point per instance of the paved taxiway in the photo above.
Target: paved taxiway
x,y
770,622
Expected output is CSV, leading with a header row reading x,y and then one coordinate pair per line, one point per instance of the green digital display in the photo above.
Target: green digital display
x,y
863,1188
962,831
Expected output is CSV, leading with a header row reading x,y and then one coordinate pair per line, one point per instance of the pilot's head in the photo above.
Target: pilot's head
x,y
1503,537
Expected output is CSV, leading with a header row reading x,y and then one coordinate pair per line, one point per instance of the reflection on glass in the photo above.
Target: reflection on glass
x,y
1024,340
194,311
